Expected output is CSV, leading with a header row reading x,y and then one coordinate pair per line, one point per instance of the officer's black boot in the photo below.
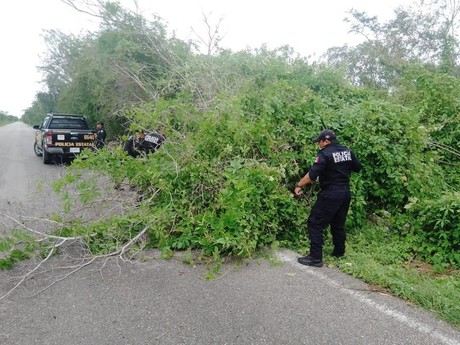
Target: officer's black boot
x,y
309,261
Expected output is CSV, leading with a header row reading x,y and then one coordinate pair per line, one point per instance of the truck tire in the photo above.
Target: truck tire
x,y
37,151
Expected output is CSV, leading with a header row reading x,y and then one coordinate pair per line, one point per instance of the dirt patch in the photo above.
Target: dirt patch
x,y
421,267
430,270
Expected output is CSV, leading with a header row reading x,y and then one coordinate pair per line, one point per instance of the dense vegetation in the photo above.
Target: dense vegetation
x,y
5,118
239,126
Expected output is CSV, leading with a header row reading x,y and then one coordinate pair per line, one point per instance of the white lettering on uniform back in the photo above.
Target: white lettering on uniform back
x,y
343,156
151,138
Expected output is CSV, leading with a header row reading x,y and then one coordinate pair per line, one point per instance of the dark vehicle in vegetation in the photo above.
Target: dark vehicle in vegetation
x,y
63,136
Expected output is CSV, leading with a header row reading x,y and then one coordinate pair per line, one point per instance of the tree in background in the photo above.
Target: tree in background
x,y
103,73
424,33
6,118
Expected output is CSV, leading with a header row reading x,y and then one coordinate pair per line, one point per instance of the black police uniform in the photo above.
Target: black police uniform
x,y
100,138
333,166
149,144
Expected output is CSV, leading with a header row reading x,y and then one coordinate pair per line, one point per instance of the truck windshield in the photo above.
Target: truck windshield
x,y
68,123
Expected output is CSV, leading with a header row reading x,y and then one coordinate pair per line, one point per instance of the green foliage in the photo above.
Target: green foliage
x,y
103,237
17,246
391,46
379,256
435,229
436,98
5,118
223,181
100,74
391,144
43,104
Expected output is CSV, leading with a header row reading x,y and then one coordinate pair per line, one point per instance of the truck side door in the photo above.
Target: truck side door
x,y
40,131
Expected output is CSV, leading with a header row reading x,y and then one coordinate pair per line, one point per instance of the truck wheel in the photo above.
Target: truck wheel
x,y
46,157
37,151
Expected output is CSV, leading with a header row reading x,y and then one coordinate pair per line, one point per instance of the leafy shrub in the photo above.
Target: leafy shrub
x,y
435,231
245,209
17,246
435,97
223,181
391,146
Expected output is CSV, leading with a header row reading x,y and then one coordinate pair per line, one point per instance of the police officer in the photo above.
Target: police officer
x,y
100,135
333,167
142,143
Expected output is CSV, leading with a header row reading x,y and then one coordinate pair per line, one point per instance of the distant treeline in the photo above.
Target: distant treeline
x,y
5,118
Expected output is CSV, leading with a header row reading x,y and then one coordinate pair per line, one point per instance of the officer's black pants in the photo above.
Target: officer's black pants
x,y
331,208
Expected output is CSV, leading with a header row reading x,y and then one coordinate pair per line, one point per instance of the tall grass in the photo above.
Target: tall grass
x,y
380,257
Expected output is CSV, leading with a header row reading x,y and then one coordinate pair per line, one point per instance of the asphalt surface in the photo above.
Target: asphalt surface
x,y
262,301
170,302
25,182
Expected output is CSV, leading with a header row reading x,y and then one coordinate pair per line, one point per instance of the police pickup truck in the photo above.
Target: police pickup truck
x,y
62,135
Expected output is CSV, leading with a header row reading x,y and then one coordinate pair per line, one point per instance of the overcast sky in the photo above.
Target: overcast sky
x,y
309,26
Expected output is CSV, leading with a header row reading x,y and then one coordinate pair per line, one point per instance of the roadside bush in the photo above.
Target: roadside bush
x,y
435,229
391,145
222,183
435,97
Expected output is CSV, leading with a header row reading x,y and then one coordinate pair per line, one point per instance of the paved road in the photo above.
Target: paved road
x,y
22,173
26,185
169,302
24,179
